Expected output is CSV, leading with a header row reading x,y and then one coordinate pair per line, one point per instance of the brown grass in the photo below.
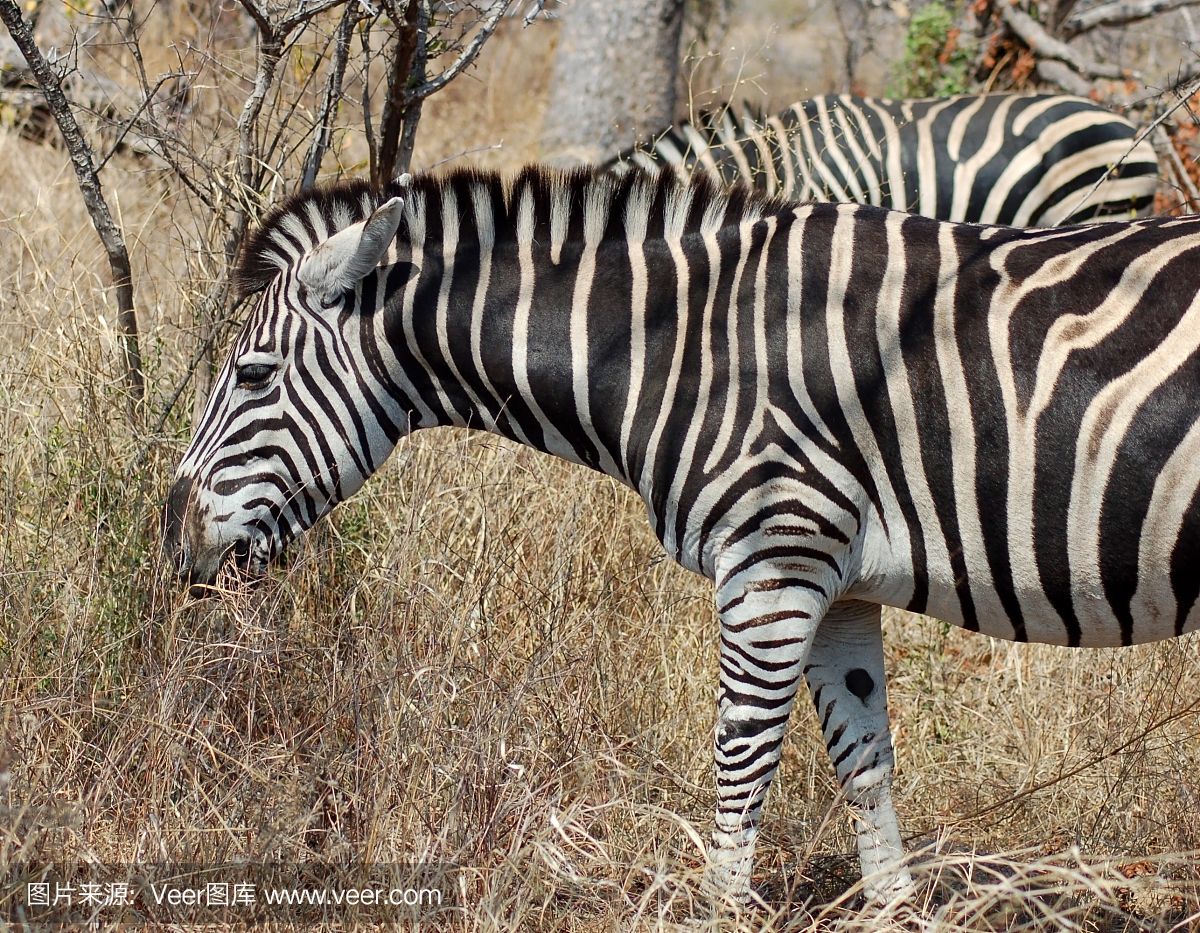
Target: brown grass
x,y
484,658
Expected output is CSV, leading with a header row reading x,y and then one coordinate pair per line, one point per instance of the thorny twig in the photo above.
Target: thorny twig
x,y
1137,140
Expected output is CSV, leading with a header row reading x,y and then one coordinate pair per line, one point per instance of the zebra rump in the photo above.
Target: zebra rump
x,y
1026,160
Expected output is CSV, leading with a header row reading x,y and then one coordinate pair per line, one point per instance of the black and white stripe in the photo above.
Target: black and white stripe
x,y
826,408
1027,160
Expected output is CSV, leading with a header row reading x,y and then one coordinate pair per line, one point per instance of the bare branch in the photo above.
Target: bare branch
x,y
416,77
248,162
270,51
282,139
265,26
368,125
205,349
1060,12
93,196
536,8
469,54
391,120
1119,14
306,13
466,152
1046,46
149,98
333,93
205,197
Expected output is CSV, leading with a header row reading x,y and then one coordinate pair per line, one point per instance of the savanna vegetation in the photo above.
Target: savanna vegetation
x,y
483,659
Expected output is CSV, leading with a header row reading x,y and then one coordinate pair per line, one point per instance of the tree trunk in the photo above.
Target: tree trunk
x,y
614,77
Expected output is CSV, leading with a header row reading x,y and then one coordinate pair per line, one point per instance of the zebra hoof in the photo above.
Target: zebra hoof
x,y
729,890
888,888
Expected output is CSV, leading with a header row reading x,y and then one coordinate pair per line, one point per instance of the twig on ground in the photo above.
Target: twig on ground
x,y
1189,710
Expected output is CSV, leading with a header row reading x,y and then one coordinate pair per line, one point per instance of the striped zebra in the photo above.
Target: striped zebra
x,y
826,408
1028,160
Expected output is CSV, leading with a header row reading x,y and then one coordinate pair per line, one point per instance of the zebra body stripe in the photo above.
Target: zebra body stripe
x,y
1017,159
826,408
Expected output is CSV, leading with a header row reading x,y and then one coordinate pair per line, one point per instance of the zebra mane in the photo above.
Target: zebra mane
x,y
310,216
296,225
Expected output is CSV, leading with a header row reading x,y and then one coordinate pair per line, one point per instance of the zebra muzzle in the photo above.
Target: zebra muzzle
x,y
175,513
199,552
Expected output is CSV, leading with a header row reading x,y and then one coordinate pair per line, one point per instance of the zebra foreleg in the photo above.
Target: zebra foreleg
x,y
767,631
845,674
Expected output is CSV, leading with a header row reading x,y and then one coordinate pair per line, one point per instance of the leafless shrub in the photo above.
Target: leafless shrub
x,y
231,108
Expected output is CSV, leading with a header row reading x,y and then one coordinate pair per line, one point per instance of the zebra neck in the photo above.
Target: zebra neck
x,y
526,316
550,352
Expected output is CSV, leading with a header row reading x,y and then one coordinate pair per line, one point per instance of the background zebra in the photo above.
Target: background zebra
x,y
825,408
1019,159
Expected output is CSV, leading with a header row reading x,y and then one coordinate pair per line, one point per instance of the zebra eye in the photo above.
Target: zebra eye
x,y
254,375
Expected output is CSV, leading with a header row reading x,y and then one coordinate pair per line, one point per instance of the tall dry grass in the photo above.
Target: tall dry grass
x,y
484,659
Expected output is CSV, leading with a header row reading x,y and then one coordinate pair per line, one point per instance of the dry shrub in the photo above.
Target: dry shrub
x,y
484,659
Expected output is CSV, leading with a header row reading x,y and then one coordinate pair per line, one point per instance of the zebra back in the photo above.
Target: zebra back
x,y
1018,159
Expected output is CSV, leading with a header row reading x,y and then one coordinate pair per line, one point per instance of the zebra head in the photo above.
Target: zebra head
x,y
285,436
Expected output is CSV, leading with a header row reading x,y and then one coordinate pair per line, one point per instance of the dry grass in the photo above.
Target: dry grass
x,y
484,659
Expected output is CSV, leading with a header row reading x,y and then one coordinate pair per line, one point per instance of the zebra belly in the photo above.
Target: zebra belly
x,y
1157,614
1138,596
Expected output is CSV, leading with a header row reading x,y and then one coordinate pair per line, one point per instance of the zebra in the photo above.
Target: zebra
x,y
826,408
1027,160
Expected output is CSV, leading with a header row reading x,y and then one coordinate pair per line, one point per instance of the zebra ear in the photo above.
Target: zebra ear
x,y
334,266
